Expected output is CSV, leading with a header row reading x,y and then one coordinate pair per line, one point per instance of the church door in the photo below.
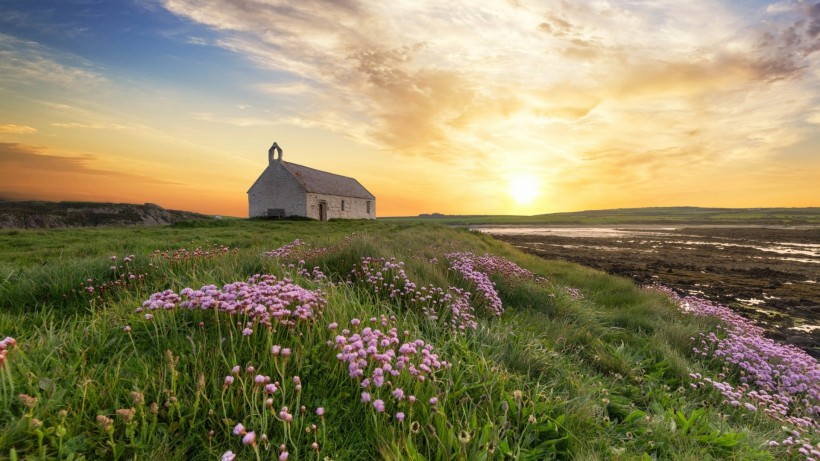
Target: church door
x,y
322,211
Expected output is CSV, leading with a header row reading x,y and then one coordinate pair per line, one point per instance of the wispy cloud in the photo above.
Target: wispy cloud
x,y
447,83
90,126
33,159
24,62
17,129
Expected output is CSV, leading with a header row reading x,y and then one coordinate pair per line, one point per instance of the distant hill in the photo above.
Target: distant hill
x,y
36,214
652,215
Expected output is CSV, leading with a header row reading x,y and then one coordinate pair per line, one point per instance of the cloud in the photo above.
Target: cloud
x,y
90,126
648,82
24,62
17,129
33,159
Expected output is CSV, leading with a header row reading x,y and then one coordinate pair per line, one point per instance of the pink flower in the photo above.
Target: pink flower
x,y
148,316
247,332
127,328
235,370
228,456
275,350
365,397
286,352
249,439
228,380
239,429
320,411
433,400
379,405
400,416
283,456
333,326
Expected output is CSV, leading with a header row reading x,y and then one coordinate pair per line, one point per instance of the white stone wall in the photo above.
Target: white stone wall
x,y
355,208
276,188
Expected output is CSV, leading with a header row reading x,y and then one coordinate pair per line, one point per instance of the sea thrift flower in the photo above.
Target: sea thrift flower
x,y
274,350
235,369
433,400
365,397
283,456
400,416
320,411
247,332
239,429
228,456
378,404
249,439
286,352
228,380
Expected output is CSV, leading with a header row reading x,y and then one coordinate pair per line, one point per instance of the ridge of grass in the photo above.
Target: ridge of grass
x,y
581,365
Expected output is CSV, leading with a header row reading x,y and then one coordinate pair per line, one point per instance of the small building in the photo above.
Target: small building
x,y
287,189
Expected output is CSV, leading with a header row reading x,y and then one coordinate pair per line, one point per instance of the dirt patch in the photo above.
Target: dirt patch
x,y
769,274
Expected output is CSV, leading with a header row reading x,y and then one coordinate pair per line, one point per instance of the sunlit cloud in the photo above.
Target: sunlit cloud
x,y
17,129
90,126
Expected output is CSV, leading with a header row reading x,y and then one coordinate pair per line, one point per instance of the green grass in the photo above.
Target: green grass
x,y
602,376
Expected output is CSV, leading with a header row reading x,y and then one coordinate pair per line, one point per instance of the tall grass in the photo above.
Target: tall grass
x,y
581,365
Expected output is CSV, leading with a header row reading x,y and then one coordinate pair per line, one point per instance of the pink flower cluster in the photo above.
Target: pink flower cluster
x,y
5,345
474,268
198,253
297,249
386,278
380,361
262,299
285,250
780,380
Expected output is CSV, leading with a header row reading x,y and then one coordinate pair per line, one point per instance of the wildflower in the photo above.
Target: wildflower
x,y
259,380
127,328
228,456
274,350
250,369
27,400
320,411
271,388
127,414
517,394
235,370
283,456
400,416
286,352
398,393
247,332
433,400
239,429
105,422
249,439
228,380
333,326
378,404
148,316
315,446
365,397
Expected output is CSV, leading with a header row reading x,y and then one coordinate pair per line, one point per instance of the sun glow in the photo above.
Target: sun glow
x,y
524,188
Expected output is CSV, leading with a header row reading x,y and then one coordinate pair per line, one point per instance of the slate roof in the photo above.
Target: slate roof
x,y
322,182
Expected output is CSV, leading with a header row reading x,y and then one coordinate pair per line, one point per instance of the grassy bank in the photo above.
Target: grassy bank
x,y
363,341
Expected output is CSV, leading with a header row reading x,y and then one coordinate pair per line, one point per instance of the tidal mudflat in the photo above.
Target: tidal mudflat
x,y
769,274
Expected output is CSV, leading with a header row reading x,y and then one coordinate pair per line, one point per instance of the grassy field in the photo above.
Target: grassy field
x,y
369,340
660,215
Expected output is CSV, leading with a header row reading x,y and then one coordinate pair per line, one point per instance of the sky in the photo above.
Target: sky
x,y
457,107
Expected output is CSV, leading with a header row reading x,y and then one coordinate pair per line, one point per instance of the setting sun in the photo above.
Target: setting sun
x,y
524,188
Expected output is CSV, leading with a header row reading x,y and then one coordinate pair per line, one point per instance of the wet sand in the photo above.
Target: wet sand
x,y
769,274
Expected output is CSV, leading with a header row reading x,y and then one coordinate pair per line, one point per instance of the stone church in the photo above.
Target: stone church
x,y
287,189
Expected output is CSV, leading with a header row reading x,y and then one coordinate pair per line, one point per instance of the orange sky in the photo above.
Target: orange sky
x,y
493,107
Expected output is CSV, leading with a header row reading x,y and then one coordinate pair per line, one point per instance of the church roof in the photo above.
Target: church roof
x,y
322,182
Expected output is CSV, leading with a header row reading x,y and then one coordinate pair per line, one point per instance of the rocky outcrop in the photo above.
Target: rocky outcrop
x,y
36,215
